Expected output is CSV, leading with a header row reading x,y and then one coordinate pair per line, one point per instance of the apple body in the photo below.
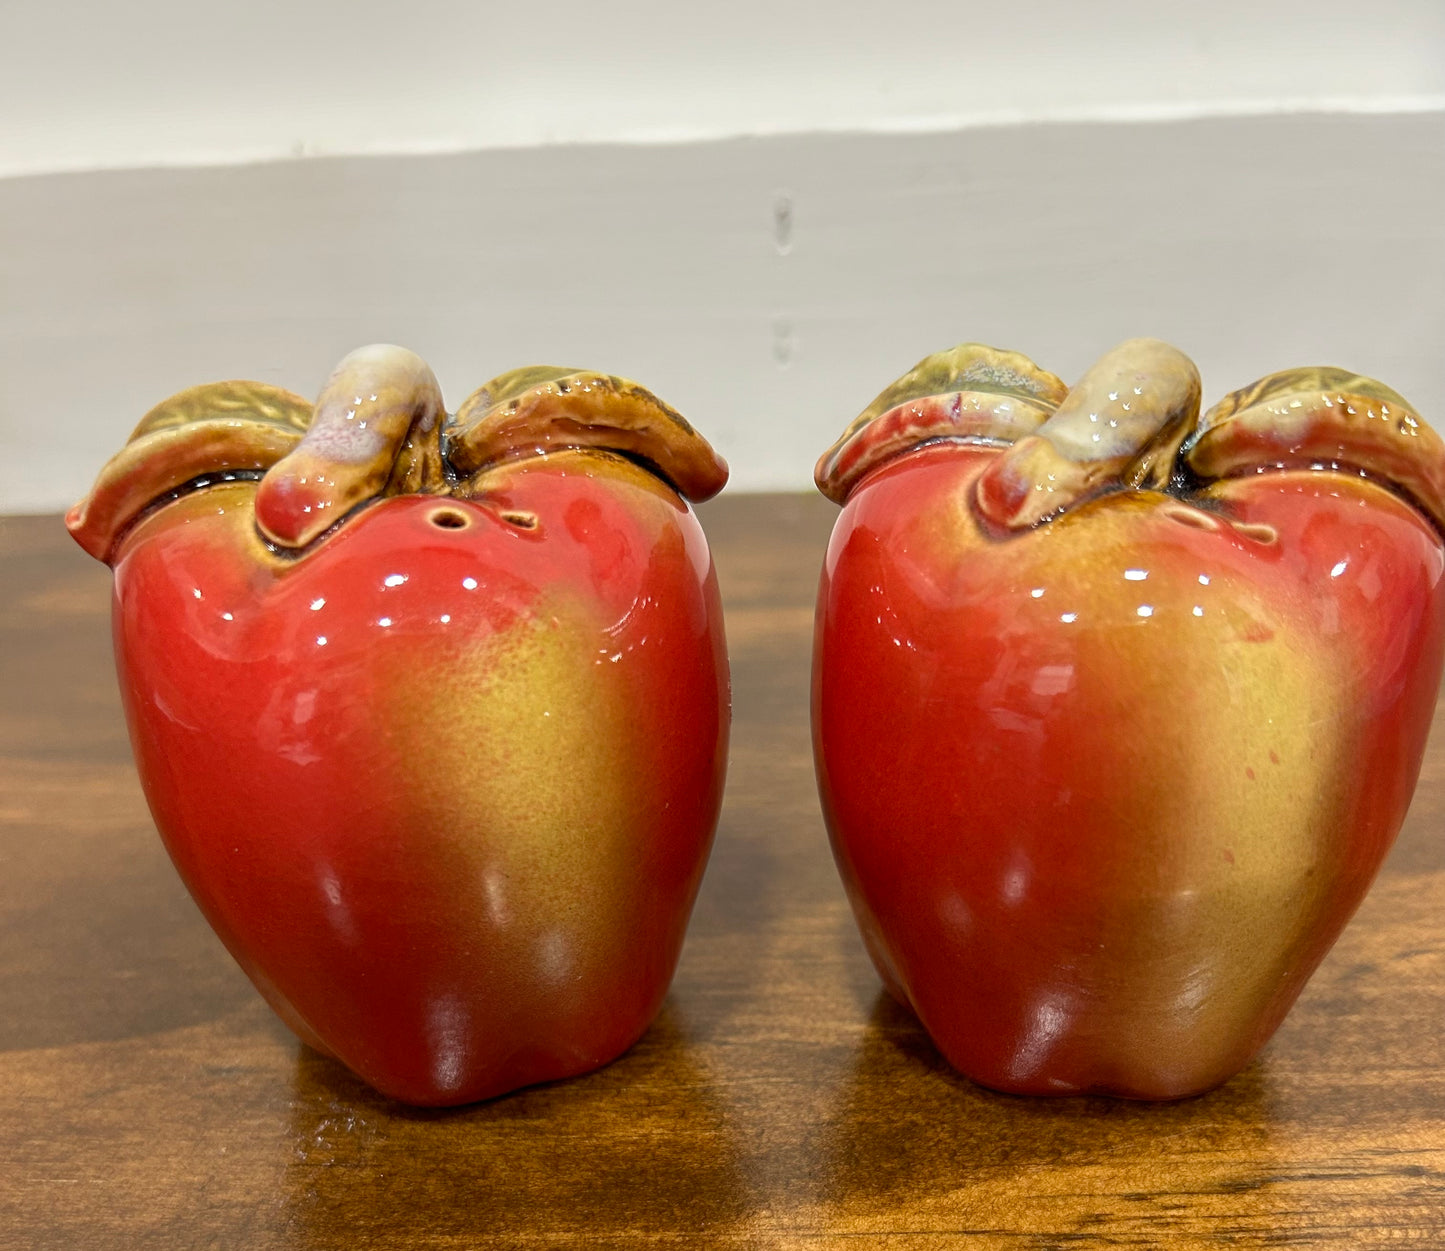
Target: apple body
x,y
1104,791
443,778
445,791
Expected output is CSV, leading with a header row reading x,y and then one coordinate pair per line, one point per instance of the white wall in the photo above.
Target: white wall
x,y
159,82
1253,243
1253,238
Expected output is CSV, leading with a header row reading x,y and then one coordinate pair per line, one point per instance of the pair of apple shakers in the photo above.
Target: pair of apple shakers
x,y
1116,709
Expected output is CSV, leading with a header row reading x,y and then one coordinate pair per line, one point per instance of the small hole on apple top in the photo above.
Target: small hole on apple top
x,y
449,519
1193,517
1257,531
522,520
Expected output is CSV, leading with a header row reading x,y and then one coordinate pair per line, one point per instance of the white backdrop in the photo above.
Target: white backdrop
x,y
1261,183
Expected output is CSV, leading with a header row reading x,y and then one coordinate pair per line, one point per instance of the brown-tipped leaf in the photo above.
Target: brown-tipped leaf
x,y
529,412
969,391
1319,415
216,428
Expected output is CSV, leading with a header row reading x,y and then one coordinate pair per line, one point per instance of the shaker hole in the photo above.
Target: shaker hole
x,y
1257,531
522,520
1193,517
449,519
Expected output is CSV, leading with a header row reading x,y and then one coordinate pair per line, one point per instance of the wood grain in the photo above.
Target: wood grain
x,y
148,1098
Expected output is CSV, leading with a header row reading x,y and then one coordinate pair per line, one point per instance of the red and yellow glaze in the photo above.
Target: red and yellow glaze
x,y
1104,789
444,780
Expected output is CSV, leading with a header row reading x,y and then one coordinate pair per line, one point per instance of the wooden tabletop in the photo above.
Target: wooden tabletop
x,y
148,1099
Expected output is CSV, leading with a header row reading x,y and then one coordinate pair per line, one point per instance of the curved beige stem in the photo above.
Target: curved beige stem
x,y
377,424
1121,423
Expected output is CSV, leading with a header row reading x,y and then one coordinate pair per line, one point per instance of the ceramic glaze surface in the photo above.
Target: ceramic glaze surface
x,y
444,775
1106,775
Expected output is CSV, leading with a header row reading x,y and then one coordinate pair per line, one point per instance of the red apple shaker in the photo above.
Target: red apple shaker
x,y
1117,710
431,711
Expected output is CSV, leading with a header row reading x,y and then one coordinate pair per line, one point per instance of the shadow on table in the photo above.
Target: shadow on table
x,y
913,1144
637,1149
